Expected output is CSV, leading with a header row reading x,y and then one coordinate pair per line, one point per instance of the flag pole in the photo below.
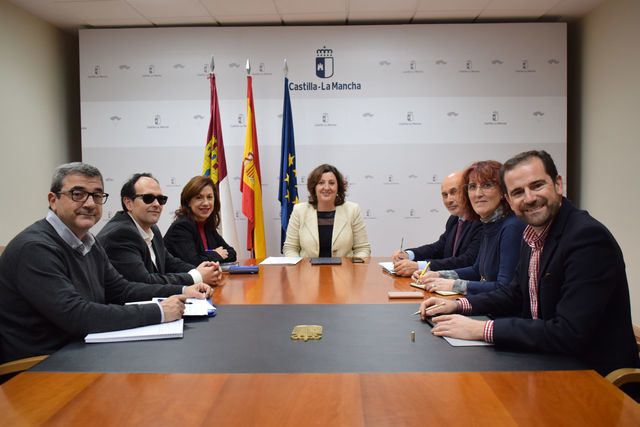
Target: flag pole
x,y
288,191
215,165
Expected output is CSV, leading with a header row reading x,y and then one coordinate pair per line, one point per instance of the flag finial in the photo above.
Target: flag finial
x,y
286,68
213,65
248,67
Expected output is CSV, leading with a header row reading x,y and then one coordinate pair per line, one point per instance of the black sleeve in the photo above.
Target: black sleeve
x,y
433,250
587,275
219,241
126,255
183,241
466,257
45,283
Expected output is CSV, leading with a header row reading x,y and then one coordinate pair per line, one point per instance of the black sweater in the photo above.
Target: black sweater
x,y
50,294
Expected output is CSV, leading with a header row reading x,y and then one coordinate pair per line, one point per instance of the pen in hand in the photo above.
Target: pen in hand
x,y
432,307
424,270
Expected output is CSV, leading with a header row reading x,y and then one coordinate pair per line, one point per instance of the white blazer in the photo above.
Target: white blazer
x,y
349,237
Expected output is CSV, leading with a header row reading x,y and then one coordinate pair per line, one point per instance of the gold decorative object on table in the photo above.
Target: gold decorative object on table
x,y
306,332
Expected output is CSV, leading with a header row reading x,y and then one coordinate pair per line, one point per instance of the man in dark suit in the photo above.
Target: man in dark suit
x,y
134,243
570,292
57,284
457,247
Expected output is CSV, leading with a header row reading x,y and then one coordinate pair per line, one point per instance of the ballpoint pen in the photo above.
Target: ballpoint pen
x,y
424,270
433,306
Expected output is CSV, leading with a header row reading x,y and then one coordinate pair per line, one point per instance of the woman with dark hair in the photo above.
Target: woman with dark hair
x,y
193,236
502,235
327,226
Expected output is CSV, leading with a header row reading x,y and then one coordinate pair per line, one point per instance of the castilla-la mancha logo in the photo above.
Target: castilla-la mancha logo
x,y
324,63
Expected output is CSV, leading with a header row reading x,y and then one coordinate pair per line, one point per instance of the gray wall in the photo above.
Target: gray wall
x,y
605,126
39,110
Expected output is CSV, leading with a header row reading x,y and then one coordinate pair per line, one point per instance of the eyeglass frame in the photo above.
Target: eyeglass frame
x,y
104,196
487,185
161,198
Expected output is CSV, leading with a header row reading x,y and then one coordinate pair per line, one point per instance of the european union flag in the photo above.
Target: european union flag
x,y
288,194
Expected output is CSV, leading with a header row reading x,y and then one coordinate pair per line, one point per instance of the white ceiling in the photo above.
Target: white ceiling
x,y
73,14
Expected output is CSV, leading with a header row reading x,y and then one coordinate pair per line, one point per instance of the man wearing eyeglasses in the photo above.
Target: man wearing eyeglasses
x,y
134,243
457,247
57,284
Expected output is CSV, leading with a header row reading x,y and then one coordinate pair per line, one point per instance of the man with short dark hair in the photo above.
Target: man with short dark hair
x,y
457,247
56,282
570,292
134,243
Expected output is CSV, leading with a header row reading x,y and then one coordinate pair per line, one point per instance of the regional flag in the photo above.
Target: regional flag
x,y
215,166
288,193
251,184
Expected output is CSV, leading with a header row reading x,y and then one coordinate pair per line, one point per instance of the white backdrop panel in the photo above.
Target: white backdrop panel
x,y
405,106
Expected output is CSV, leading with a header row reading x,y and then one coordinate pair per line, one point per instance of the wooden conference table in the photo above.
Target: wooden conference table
x,y
290,397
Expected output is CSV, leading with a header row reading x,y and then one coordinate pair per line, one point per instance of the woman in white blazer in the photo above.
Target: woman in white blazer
x,y
326,226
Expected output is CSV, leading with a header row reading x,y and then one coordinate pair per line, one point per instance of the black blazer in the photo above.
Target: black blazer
x,y
583,303
183,240
440,252
130,255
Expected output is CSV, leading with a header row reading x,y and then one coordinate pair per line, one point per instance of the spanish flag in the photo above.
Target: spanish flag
x,y
251,184
215,167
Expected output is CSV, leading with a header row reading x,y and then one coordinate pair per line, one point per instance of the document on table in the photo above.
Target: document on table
x,y
151,332
424,288
196,307
192,306
457,342
281,260
388,267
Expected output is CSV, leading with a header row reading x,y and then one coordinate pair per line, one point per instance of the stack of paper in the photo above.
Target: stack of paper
x,y
388,267
192,307
196,307
151,332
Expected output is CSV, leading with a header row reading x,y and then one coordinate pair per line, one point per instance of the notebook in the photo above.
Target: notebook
x,y
388,267
196,307
192,306
326,261
151,332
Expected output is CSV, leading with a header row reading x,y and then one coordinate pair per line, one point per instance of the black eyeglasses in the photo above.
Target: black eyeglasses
x,y
149,198
99,198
